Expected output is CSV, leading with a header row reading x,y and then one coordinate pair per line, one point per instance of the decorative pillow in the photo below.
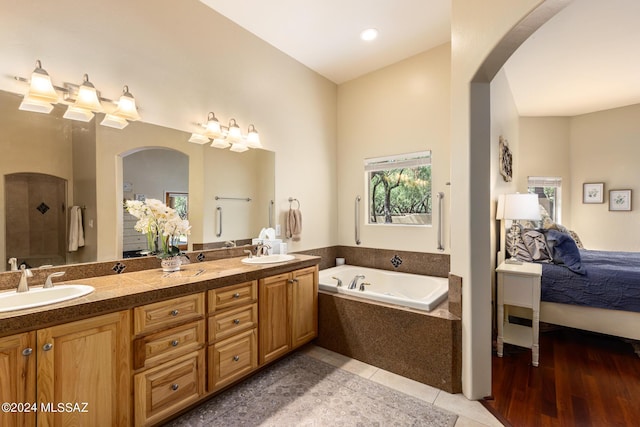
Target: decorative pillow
x,y
536,244
562,228
565,251
515,245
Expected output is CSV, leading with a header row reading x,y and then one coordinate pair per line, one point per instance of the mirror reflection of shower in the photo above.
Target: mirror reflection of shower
x,y
36,218
153,173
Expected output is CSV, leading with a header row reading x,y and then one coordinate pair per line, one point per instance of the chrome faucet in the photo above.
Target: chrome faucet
x,y
229,244
23,286
354,282
48,283
262,249
248,252
339,281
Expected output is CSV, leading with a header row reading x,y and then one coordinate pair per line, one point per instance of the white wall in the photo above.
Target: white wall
x,y
476,28
605,148
399,109
544,151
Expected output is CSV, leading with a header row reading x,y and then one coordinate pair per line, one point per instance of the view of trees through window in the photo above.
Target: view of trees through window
x,y
548,190
399,189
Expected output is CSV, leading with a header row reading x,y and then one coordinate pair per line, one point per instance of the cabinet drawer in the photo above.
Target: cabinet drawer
x,y
233,358
233,296
162,346
165,389
518,290
164,314
230,322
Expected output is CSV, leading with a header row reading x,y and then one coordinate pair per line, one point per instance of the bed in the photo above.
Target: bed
x,y
597,291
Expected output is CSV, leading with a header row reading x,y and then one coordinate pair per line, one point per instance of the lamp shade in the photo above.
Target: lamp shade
x,y
87,97
521,206
213,129
127,106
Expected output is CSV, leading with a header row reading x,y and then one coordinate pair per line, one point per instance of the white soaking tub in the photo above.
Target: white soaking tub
x,y
403,289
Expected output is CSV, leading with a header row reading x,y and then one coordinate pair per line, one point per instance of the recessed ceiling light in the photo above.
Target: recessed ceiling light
x,y
369,34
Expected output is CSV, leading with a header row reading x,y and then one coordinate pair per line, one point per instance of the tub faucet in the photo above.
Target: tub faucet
x,y
354,282
339,281
23,286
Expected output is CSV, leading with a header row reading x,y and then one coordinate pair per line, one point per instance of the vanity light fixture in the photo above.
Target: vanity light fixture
x,y
226,136
125,111
253,139
41,95
86,103
83,100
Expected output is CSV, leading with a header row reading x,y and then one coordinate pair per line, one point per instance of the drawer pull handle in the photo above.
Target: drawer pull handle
x,y
236,358
27,351
174,386
174,312
236,321
174,343
236,295
290,281
48,346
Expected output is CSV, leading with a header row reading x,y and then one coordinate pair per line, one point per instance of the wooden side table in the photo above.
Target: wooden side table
x,y
519,285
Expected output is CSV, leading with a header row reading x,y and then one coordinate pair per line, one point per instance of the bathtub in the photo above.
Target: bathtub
x,y
407,290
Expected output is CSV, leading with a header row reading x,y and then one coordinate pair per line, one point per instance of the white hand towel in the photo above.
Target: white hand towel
x,y
76,232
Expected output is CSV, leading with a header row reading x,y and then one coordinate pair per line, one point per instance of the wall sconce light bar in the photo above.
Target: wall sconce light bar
x,y
226,136
83,100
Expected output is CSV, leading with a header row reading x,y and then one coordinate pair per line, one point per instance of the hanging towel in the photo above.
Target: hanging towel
x,y
76,232
294,224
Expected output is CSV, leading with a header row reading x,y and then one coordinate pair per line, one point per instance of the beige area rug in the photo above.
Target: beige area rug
x,y
303,391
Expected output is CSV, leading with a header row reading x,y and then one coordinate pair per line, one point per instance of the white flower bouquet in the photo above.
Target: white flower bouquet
x,y
159,222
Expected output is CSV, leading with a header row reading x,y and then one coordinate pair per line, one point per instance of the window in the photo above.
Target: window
x,y
399,189
549,191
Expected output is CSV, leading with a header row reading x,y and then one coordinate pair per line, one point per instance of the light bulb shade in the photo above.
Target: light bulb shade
x,y
87,97
79,114
234,131
521,206
127,106
40,86
113,121
35,105
253,139
220,143
213,129
197,138
238,147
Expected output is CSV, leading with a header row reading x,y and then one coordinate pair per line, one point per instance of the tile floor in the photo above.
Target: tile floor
x,y
470,413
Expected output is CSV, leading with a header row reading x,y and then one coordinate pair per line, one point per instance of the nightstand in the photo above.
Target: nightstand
x,y
519,285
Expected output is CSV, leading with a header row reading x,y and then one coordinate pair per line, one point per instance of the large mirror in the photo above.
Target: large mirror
x,y
88,161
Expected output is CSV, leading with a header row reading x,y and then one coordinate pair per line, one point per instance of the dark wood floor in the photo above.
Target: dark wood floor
x,y
584,379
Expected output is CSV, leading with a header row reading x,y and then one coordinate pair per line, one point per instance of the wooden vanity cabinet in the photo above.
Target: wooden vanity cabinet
x,y
288,312
18,373
233,336
168,357
84,364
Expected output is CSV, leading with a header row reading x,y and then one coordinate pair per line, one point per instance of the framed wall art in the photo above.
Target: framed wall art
x,y
593,192
505,159
619,200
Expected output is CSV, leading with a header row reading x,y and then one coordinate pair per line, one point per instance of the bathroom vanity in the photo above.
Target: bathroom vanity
x,y
146,345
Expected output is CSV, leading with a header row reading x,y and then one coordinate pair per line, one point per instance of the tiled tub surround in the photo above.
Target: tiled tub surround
x,y
426,347
117,292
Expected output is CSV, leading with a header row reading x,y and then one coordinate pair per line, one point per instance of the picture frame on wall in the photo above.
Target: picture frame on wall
x,y
505,159
593,192
619,200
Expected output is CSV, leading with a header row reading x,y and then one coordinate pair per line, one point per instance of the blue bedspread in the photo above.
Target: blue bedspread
x,y
612,281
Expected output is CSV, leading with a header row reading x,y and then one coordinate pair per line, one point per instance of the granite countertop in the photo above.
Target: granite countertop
x,y
127,290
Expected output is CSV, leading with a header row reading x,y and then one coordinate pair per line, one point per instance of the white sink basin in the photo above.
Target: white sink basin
x,y
268,259
36,297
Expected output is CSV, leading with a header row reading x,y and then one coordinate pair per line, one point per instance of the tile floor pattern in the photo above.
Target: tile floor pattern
x,y
301,399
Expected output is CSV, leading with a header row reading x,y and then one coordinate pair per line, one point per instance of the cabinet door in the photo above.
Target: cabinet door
x,y
18,373
304,306
273,312
86,362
